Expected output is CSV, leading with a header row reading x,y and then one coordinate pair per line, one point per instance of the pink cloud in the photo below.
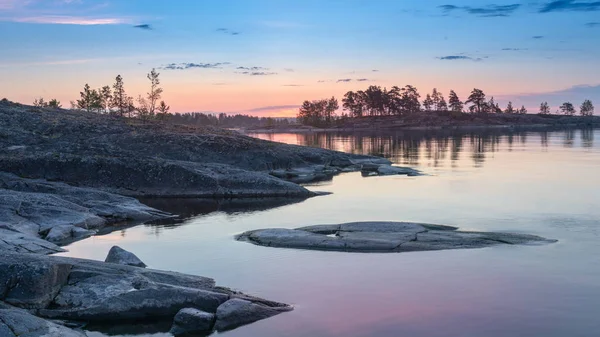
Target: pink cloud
x,y
71,20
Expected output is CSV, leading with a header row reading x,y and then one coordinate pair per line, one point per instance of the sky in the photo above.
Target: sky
x,y
265,57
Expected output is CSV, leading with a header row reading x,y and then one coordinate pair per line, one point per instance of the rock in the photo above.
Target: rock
x,y
30,208
237,312
65,233
151,159
19,323
385,170
192,321
386,237
120,256
31,283
18,242
370,169
61,288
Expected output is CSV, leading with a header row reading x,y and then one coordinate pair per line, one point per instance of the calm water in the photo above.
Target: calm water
x,y
539,183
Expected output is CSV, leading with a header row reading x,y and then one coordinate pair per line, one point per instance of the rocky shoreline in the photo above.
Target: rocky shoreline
x,y
67,175
442,120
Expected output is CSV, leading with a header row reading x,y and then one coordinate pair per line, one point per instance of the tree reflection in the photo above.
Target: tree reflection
x,y
430,148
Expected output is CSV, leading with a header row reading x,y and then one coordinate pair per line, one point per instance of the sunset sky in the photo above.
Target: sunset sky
x,y
265,57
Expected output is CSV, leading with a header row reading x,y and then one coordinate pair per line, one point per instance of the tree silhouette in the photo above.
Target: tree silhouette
x,y
567,108
410,99
587,108
155,91
40,103
352,102
318,112
428,103
477,98
509,108
119,98
90,99
54,103
544,108
106,96
522,111
455,103
163,110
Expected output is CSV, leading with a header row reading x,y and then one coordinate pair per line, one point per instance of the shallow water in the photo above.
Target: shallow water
x,y
543,183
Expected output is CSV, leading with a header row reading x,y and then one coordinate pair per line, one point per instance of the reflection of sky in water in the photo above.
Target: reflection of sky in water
x,y
544,184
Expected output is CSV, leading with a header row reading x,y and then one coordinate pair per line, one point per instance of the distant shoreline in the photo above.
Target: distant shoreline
x,y
441,122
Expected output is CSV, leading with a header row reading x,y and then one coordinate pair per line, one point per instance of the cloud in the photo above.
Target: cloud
x,y
257,73
592,24
252,68
273,108
375,70
290,70
293,85
346,80
514,49
69,20
570,6
227,31
485,11
143,26
183,66
575,94
537,37
460,57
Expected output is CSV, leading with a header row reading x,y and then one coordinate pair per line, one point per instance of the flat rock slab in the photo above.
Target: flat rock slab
x,y
383,237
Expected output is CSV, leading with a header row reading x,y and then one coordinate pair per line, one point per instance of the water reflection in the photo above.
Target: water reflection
x,y
430,148
185,209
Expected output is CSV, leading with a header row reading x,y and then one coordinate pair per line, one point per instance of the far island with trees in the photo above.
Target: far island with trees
x,y
380,108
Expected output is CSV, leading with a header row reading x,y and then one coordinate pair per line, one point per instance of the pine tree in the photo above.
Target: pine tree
x,y
155,91
509,108
106,96
567,108
587,108
477,98
427,103
163,110
544,108
522,111
455,104
119,97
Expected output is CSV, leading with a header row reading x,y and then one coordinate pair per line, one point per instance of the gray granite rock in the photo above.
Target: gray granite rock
x,y
383,237
120,256
237,312
31,283
192,321
66,233
20,323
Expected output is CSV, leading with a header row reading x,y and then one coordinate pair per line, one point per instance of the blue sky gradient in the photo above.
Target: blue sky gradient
x,y
251,54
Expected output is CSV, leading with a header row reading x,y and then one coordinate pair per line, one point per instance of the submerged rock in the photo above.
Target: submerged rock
x,y
385,237
192,321
120,256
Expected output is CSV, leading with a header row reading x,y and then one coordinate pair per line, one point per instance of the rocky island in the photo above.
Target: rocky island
x,y
383,237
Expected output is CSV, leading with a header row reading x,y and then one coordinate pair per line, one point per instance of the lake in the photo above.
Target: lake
x,y
542,183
